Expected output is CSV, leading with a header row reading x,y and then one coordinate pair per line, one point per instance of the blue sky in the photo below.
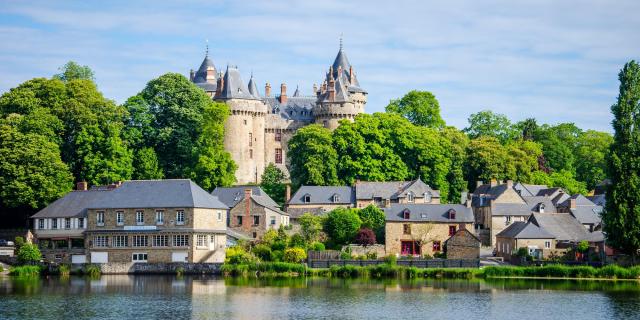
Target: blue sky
x,y
556,61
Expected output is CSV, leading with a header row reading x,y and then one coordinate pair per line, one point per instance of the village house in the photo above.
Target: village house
x,y
422,229
382,193
59,227
319,200
584,210
251,211
463,245
156,221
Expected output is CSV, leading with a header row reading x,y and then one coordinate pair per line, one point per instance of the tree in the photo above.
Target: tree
x,y
103,156
29,254
294,255
73,71
373,218
31,171
313,158
456,143
310,226
559,145
145,165
365,237
529,128
590,154
621,217
342,224
487,159
523,159
420,107
488,124
273,183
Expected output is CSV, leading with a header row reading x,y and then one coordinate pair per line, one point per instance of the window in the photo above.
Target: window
x,y
436,246
278,136
159,217
406,228
547,244
325,124
119,218
427,197
452,230
335,198
67,223
254,235
219,215
161,241
201,240
245,122
139,257
139,217
139,241
256,220
180,217
452,214
100,241
54,223
250,139
80,223
410,197
212,240
40,223
180,240
406,214
120,241
507,220
278,155
541,208
273,220
100,218
250,153
307,198
239,218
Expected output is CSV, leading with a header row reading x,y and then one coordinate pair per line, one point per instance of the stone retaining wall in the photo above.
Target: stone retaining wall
x,y
156,268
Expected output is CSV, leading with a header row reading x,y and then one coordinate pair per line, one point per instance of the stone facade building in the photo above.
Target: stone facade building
x,y
463,245
260,125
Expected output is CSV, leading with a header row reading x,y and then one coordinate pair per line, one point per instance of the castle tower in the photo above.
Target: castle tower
x,y
245,127
341,96
206,76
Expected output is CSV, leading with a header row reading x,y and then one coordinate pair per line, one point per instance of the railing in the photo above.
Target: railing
x,y
418,263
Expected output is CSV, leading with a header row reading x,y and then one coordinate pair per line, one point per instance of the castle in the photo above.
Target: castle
x,y
259,127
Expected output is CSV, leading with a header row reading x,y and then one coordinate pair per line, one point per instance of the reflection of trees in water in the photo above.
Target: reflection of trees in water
x,y
624,303
631,287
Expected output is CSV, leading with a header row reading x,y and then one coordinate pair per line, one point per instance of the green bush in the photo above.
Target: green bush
x,y
179,271
440,255
1,268
563,271
391,260
277,255
25,271
92,270
372,255
345,255
278,245
295,255
237,255
297,241
262,252
29,254
63,270
264,269
317,246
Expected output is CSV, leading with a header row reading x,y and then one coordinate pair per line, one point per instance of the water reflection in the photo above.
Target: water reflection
x,y
207,297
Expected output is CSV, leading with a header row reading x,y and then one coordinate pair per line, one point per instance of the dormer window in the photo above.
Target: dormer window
x,y
335,198
406,214
541,208
427,197
452,214
237,197
306,198
410,197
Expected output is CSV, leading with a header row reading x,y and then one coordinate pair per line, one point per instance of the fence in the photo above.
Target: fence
x,y
419,263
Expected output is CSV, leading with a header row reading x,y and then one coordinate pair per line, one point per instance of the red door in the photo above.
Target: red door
x,y
409,248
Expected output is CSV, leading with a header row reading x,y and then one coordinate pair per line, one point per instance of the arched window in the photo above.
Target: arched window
x,y
541,208
427,197
410,197
406,214
335,198
452,214
307,198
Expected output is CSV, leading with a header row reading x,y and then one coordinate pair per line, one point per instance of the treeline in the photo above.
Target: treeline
x,y
56,131
411,140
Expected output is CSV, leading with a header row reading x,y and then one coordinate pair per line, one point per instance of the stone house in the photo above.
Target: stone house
x,y
251,211
539,242
319,200
382,193
156,221
59,227
421,229
463,245
584,210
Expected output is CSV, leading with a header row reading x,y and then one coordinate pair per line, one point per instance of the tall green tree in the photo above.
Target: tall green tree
x,y
456,146
313,158
73,71
590,153
145,165
273,183
420,107
373,218
621,217
487,159
341,225
488,124
103,158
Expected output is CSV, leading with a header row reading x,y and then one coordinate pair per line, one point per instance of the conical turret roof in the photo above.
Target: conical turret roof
x,y
201,74
253,88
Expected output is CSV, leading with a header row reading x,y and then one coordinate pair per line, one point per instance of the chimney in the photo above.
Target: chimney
x,y
387,203
494,182
211,74
192,75
287,193
332,90
351,75
267,90
81,186
219,86
324,87
509,184
247,209
283,93
572,203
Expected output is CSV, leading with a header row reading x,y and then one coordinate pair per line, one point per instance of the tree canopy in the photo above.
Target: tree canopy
x,y
314,161
420,107
488,124
73,71
273,183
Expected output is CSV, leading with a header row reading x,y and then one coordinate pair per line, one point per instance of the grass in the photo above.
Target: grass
x,y
264,269
25,271
92,270
561,271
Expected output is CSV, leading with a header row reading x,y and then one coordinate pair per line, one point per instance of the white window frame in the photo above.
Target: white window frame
x,y
410,197
140,241
273,221
101,241
80,223
428,197
40,223
159,217
120,218
139,217
120,241
547,244
54,223
161,240
180,240
180,217
201,240
139,257
67,223
100,218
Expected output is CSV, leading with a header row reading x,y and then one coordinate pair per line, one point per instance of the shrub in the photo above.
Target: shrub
x,y
310,226
342,224
365,237
270,237
440,255
29,254
583,246
317,246
18,243
1,268
277,255
179,271
391,260
278,245
237,255
297,241
295,255
25,271
92,270
372,255
346,255
63,270
262,252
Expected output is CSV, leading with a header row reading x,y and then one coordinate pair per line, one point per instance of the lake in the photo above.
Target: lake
x,y
208,297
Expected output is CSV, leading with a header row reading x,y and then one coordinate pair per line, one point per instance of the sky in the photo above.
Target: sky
x,y
556,61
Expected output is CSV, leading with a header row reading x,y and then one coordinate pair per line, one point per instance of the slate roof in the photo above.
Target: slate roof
x,y
323,195
562,225
201,74
587,214
296,108
511,209
295,213
525,230
599,199
529,190
233,87
174,193
253,88
580,201
231,196
534,203
393,189
428,212
71,205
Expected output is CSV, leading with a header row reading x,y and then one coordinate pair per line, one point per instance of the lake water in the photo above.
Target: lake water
x,y
204,297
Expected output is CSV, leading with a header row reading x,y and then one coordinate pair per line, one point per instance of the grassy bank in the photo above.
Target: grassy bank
x,y
24,271
281,269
